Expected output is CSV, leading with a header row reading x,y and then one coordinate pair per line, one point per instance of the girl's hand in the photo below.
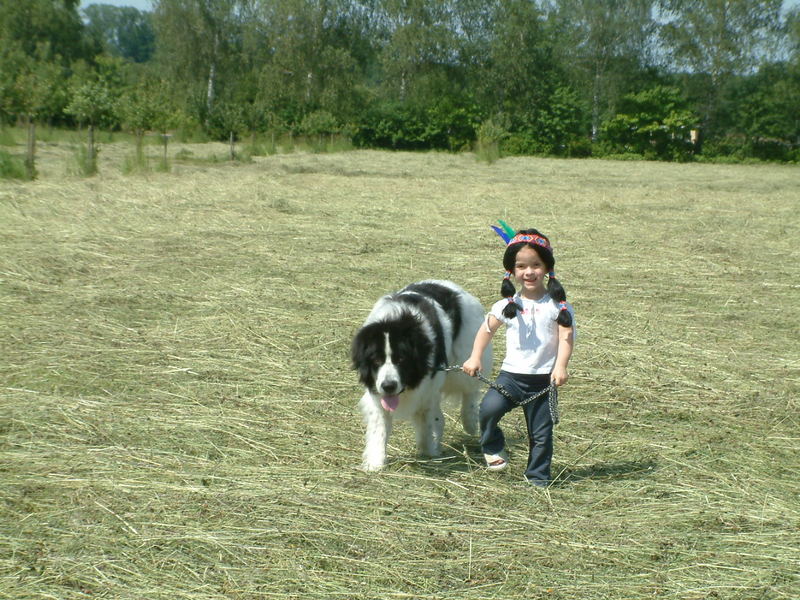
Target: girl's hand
x,y
559,376
471,366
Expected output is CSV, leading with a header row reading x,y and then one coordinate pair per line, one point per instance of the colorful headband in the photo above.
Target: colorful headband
x,y
509,236
530,238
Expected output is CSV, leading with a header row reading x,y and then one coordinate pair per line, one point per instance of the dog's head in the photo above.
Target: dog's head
x,y
392,356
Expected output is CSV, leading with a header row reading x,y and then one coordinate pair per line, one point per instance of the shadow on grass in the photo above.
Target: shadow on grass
x,y
628,469
461,456
465,456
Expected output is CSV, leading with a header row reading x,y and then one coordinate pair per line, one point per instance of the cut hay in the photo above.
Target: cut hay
x,y
179,418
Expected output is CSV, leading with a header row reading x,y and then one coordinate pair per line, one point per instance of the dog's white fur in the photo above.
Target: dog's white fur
x,y
422,406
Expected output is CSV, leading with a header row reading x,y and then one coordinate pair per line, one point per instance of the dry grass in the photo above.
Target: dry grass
x,y
179,416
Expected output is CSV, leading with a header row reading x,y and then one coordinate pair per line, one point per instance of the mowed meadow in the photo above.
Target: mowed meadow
x,y
179,415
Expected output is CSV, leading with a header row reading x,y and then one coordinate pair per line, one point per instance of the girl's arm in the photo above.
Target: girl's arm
x,y
566,339
482,339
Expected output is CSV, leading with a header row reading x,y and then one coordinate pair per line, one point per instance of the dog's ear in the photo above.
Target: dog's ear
x,y
362,353
357,350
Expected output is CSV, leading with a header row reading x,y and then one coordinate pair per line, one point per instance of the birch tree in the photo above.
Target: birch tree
x,y
319,52
123,31
199,41
715,39
603,44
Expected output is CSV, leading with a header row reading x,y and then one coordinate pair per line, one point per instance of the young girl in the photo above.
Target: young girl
x,y
539,341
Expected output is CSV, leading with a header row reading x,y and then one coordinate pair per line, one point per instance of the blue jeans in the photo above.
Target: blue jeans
x,y
537,417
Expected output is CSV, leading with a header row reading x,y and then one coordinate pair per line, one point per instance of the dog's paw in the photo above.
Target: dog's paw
x,y
373,461
433,450
371,467
471,426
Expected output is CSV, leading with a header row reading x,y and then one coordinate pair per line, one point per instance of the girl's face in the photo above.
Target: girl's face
x,y
530,271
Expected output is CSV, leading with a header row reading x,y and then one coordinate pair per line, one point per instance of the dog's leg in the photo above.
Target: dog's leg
x,y
378,425
429,426
471,398
469,411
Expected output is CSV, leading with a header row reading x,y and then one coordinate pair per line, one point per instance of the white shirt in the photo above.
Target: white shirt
x,y
531,336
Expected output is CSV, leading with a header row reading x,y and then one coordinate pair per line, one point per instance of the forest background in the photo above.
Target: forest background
x,y
657,79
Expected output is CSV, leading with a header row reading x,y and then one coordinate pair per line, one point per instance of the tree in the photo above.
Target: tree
x,y
517,77
603,45
31,89
91,102
318,58
93,96
228,119
39,39
123,31
766,112
716,39
145,105
793,35
56,24
199,41
654,122
417,59
317,125
521,80
36,86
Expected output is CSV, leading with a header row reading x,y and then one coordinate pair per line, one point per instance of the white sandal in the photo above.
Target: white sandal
x,y
496,462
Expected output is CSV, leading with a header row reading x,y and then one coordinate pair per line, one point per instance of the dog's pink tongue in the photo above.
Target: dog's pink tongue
x,y
390,402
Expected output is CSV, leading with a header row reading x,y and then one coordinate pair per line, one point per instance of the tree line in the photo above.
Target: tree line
x,y
666,79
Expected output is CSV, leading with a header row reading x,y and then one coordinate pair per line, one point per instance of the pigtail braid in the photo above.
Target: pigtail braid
x,y
541,245
559,296
507,290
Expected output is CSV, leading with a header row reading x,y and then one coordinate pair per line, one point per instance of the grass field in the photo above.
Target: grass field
x,y
179,416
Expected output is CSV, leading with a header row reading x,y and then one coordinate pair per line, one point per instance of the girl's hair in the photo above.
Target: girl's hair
x,y
554,288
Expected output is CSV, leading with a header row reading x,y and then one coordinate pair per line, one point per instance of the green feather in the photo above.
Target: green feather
x,y
510,232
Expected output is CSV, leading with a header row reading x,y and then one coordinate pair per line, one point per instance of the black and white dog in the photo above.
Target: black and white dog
x,y
399,352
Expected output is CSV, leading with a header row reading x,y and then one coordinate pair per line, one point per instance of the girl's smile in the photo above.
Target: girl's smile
x,y
530,270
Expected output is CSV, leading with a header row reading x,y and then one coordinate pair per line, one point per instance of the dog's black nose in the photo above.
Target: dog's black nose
x,y
390,386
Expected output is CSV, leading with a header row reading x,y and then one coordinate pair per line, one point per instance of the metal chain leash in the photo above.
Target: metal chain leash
x,y
551,390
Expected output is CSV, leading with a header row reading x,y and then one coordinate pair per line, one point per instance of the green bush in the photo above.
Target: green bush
x,y
225,118
452,127
770,149
83,164
262,144
491,133
553,128
739,148
12,167
443,126
580,147
719,160
626,156
189,131
654,123
7,137
391,126
319,128
136,162
526,143
732,147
